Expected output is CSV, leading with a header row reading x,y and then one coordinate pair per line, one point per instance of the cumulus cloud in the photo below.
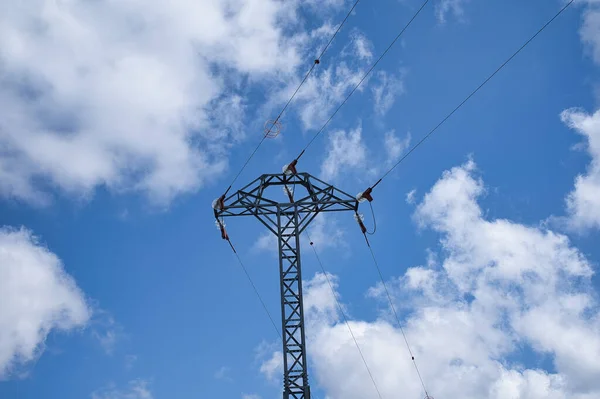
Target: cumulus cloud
x,y
136,389
583,203
498,288
345,150
37,296
131,95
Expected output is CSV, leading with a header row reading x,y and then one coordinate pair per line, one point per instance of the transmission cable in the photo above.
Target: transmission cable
x,y
315,63
363,78
341,309
389,297
256,292
474,92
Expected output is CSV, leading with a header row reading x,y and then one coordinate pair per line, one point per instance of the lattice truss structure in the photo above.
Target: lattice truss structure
x,y
287,220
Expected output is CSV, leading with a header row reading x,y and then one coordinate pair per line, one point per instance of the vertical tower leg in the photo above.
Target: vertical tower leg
x,y
295,377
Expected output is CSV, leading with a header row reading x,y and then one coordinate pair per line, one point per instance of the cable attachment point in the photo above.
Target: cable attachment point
x,y
359,219
317,61
290,169
365,195
219,203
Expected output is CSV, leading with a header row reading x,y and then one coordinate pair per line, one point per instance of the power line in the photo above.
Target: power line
x,y
364,77
259,296
474,91
256,292
412,356
315,63
343,315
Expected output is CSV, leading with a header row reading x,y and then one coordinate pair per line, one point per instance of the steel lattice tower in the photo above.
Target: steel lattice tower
x,y
287,220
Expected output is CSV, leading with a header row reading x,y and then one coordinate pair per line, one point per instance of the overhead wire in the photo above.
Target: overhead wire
x,y
363,79
389,297
341,309
256,292
315,63
258,295
376,263
474,92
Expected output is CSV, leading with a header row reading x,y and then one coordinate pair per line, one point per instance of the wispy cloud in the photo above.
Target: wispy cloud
x,y
345,150
386,87
395,147
223,373
590,30
106,330
136,389
454,7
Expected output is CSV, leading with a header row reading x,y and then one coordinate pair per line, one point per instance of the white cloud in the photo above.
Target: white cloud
x,y
410,196
363,48
106,330
272,368
590,29
323,91
385,91
37,296
131,95
395,147
345,150
499,287
325,233
223,373
130,361
583,203
136,389
266,242
445,7
250,396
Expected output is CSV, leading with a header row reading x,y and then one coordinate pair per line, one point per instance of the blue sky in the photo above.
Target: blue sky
x,y
121,122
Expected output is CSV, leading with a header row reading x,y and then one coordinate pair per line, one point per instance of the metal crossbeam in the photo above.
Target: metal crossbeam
x,y
287,220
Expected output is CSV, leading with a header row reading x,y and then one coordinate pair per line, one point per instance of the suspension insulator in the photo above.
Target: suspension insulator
x,y
221,227
359,219
289,193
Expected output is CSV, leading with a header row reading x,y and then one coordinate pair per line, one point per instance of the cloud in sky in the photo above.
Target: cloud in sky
x,y
136,389
445,7
583,203
386,88
345,150
37,297
130,97
590,29
395,147
498,287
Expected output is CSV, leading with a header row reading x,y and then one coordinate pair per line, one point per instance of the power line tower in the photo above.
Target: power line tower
x,y
287,220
